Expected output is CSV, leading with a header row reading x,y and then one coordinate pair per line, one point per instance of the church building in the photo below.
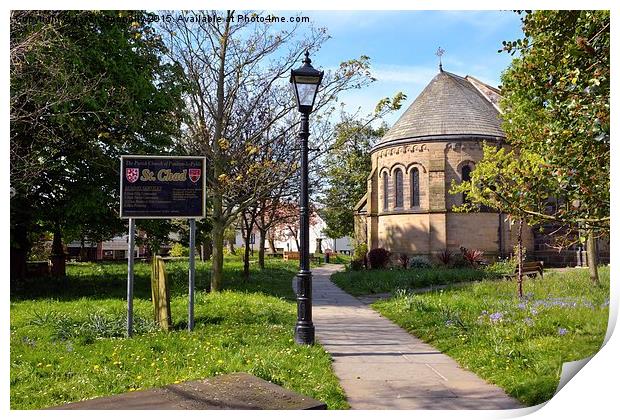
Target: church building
x,y
408,207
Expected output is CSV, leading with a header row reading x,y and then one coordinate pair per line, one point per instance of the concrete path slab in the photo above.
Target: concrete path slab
x,y
381,366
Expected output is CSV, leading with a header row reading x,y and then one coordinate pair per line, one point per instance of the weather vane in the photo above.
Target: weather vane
x,y
439,53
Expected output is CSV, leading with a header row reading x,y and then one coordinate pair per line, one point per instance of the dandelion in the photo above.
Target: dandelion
x,y
562,331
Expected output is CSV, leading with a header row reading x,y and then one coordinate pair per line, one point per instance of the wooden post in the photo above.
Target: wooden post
x,y
160,293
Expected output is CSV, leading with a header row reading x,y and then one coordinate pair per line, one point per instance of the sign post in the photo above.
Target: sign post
x,y
192,273
132,229
162,187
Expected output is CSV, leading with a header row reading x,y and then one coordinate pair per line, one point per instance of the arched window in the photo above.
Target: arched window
x,y
398,188
385,192
465,177
415,187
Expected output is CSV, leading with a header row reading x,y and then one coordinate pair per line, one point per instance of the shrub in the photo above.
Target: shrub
x,y
419,262
378,258
357,265
458,261
445,257
360,251
502,267
404,260
472,256
178,250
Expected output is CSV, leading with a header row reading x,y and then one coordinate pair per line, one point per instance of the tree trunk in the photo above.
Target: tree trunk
x,y
20,246
219,223
592,257
82,249
206,250
58,254
246,255
261,248
520,257
272,245
218,254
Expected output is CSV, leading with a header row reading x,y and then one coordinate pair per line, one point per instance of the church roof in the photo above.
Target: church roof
x,y
449,107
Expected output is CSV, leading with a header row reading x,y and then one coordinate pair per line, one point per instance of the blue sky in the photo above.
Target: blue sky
x,y
402,46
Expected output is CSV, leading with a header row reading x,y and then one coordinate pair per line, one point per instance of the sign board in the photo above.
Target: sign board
x,y
163,187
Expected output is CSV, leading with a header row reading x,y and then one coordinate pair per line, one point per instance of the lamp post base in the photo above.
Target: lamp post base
x,y
304,334
304,329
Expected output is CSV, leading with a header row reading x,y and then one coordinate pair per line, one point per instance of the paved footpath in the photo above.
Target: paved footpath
x,y
381,366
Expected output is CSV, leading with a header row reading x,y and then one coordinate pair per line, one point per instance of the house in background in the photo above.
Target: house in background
x,y
285,239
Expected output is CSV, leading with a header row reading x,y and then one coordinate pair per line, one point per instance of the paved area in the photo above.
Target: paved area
x,y
381,366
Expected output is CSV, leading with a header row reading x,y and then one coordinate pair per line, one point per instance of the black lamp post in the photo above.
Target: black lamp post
x,y
305,81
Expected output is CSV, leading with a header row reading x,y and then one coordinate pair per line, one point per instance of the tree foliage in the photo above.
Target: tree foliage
x,y
556,118
86,87
347,166
556,106
240,104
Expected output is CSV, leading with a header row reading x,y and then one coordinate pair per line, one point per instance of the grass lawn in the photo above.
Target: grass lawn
x,y
368,282
519,345
67,339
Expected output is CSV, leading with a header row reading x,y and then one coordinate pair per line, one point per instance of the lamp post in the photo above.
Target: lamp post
x,y
305,81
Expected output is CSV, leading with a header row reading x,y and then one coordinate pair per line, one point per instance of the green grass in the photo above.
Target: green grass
x,y
67,339
519,345
368,282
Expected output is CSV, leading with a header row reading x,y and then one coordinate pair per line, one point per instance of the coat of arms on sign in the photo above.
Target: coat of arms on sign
x,y
194,175
132,174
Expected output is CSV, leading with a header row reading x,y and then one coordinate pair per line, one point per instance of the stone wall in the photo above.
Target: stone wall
x,y
432,226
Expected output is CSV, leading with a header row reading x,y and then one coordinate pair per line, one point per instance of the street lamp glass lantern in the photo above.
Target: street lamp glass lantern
x,y
305,82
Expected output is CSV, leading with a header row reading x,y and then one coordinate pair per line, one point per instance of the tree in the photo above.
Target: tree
x,y
236,69
511,181
556,118
556,106
81,95
347,166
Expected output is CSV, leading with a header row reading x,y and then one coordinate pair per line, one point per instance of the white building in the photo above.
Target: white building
x,y
286,240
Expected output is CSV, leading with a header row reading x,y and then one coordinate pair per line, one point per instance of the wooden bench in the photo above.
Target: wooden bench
x,y
530,269
290,255
293,255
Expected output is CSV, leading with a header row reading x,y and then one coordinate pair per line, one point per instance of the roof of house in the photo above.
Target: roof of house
x,y
451,107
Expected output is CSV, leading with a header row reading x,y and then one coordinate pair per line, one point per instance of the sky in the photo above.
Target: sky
x,y
402,46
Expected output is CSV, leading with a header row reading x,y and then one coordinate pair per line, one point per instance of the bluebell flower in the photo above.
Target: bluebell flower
x,y
562,331
496,317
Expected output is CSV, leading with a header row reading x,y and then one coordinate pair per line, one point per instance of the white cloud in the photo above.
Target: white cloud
x,y
403,74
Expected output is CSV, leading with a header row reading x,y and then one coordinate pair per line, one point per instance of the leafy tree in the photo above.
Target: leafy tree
x,y
556,105
512,182
347,166
237,72
86,87
556,117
